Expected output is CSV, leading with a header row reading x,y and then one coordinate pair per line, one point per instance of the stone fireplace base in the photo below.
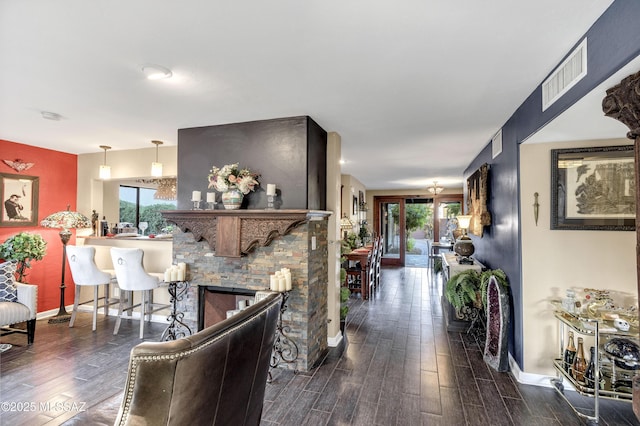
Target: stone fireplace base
x,y
267,241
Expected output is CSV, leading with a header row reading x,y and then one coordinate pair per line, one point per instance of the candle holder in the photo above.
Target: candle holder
x,y
211,205
196,204
271,202
285,349
176,328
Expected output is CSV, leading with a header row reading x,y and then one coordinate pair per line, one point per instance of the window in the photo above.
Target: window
x,y
139,205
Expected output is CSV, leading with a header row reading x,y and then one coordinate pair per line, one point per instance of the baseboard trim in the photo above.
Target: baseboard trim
x,y
533,379
333,342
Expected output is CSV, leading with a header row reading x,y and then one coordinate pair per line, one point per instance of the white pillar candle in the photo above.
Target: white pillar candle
x,y
167,275
211,197
287,281
195,196
174,274
180,274
271,189
273,283
242,304
282,286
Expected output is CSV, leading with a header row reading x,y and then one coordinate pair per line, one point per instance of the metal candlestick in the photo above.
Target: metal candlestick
x,y
211,205
176,328
196,204
285,349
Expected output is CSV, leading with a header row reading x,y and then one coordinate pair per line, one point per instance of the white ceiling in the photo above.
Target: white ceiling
x,y
415,88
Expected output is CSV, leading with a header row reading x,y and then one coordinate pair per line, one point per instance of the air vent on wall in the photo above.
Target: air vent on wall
x,y
496,144
571,71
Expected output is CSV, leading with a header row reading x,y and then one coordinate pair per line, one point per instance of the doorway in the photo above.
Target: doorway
x,y
406,225
409,225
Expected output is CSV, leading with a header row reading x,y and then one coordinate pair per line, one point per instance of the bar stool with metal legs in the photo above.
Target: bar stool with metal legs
x,y
131,278
85,272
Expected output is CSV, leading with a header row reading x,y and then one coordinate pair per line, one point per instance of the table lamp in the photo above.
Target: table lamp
x,y
64,220
463,245
345,225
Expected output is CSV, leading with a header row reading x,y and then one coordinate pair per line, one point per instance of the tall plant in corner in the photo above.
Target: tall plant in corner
x,y
24,248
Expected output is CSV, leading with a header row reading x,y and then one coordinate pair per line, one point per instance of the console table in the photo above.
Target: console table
x,y
450,267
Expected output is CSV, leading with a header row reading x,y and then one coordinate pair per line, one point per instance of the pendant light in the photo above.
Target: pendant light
x,y
156,168
105,171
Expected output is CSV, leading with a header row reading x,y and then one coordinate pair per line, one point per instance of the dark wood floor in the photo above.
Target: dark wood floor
x,y
400,367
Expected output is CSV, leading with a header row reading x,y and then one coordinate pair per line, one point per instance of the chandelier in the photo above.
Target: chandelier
x,y
165,188
435,189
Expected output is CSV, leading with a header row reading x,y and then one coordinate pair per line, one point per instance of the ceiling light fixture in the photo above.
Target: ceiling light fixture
x,y
435,189
156,72
156,168
105,171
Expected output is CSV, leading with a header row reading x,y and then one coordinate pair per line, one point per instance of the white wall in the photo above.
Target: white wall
x,y
351,187
553,261
102,196
333,204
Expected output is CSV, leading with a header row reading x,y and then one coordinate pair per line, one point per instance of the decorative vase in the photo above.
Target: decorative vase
x,y
232,199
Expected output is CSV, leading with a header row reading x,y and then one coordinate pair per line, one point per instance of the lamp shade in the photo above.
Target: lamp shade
x,y
66,219
345,223
464,221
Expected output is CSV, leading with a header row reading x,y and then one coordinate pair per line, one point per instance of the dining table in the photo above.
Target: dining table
x,y
361,255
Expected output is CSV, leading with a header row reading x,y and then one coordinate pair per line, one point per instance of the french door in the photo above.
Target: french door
x,y
396,216
390,223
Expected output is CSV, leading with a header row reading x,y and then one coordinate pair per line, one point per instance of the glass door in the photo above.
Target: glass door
x,y
390,223
418,217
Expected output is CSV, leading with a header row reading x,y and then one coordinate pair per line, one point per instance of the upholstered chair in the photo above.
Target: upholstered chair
x,y
132,277
19,303
85,273
217,376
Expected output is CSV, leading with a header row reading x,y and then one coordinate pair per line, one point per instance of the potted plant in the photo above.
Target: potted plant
x,y
466,291
344,308
23,247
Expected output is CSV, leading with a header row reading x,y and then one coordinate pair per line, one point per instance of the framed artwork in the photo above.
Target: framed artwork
x,y
19,200
355,205
593,188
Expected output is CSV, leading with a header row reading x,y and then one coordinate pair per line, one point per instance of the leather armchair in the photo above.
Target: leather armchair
x,y
214,377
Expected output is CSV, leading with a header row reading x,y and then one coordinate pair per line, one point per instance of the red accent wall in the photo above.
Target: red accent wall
x,y
58,173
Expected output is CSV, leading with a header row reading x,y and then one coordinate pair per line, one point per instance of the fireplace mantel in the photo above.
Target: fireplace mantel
x,y
233,233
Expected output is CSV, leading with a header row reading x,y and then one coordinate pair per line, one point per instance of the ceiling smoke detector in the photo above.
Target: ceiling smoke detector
x,y
156,72
47,115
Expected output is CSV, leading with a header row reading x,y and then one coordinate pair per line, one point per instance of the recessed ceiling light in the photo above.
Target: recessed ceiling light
x,y
51,115
156,72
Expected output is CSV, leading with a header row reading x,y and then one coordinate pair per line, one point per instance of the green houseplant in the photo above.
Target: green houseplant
x,y
344,308
23,247
467,289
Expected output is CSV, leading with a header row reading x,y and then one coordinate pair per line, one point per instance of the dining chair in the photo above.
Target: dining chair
x,y
132,278
86,273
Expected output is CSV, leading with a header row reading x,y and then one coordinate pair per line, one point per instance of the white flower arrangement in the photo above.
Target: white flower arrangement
x,y
232,176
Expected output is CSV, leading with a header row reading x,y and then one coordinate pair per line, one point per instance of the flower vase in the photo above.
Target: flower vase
x,y
232,199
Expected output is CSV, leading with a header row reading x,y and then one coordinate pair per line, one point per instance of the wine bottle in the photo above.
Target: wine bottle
x,y
590,374
569,353
579,362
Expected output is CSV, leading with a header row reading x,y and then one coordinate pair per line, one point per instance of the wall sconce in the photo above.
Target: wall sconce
x,y
105,171
435,189
156,168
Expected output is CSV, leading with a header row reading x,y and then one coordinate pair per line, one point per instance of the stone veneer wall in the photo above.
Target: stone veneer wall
x,y
306,315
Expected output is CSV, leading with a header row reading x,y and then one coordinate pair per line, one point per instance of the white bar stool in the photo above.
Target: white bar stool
x,y
85,272
132,277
